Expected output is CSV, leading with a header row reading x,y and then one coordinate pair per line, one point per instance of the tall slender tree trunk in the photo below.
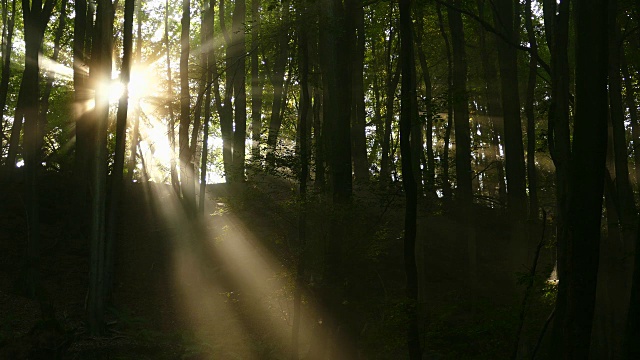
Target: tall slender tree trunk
x,y
256,84
207,28
531,122
576,295
305,102
137,112
239,90
46,92
187,184
408,115
118,158
630,100
446,184
225,110
429,166
556,20
355,9
624,192
461,110
100,74
507,19
277,79
8,24
391,83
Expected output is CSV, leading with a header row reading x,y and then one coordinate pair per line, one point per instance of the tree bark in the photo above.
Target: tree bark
x,y
507,21
187,184
408,115
460,99
446,184
256,84
101,74
277,80
531,124
118,158
239,90
624,192
577,299
355,11
7,47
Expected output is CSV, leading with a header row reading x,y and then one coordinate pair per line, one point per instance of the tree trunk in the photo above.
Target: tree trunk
x,y
392,79
355,11
460,99
494,106
408,115
508,24
277,79
305,100
187,184
429,166
256,85
101,73
239,90
577,298
446,185
531,124
624,191
556,20
630,99
118,158
7,47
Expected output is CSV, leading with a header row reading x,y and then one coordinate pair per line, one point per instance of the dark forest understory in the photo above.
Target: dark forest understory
x,y
206,307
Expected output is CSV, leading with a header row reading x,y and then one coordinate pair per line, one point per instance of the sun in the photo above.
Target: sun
x,y
141,85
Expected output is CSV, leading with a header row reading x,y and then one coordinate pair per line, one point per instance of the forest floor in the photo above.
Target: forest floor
x,y
223,288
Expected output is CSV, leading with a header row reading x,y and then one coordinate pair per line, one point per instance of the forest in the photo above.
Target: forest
x,y
320,179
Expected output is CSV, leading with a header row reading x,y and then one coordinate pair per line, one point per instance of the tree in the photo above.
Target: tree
x,y
408,115
36,16
8,24
576,293
100,76
118,161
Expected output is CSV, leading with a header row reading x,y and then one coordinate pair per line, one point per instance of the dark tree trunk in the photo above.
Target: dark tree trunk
x,y
101,73
131,162
461,110
358,116
508,24
256,85
624,192
392,79
277,79
630,100
494,106
239,90
446,184
429,165
7,47
118,158
187,184
529,111
207,28
556,20
171,126
35,18
408,115
224,105
44,102
576,295
305,100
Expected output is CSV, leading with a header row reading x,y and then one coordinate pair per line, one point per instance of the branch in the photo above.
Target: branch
x,y
543,64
